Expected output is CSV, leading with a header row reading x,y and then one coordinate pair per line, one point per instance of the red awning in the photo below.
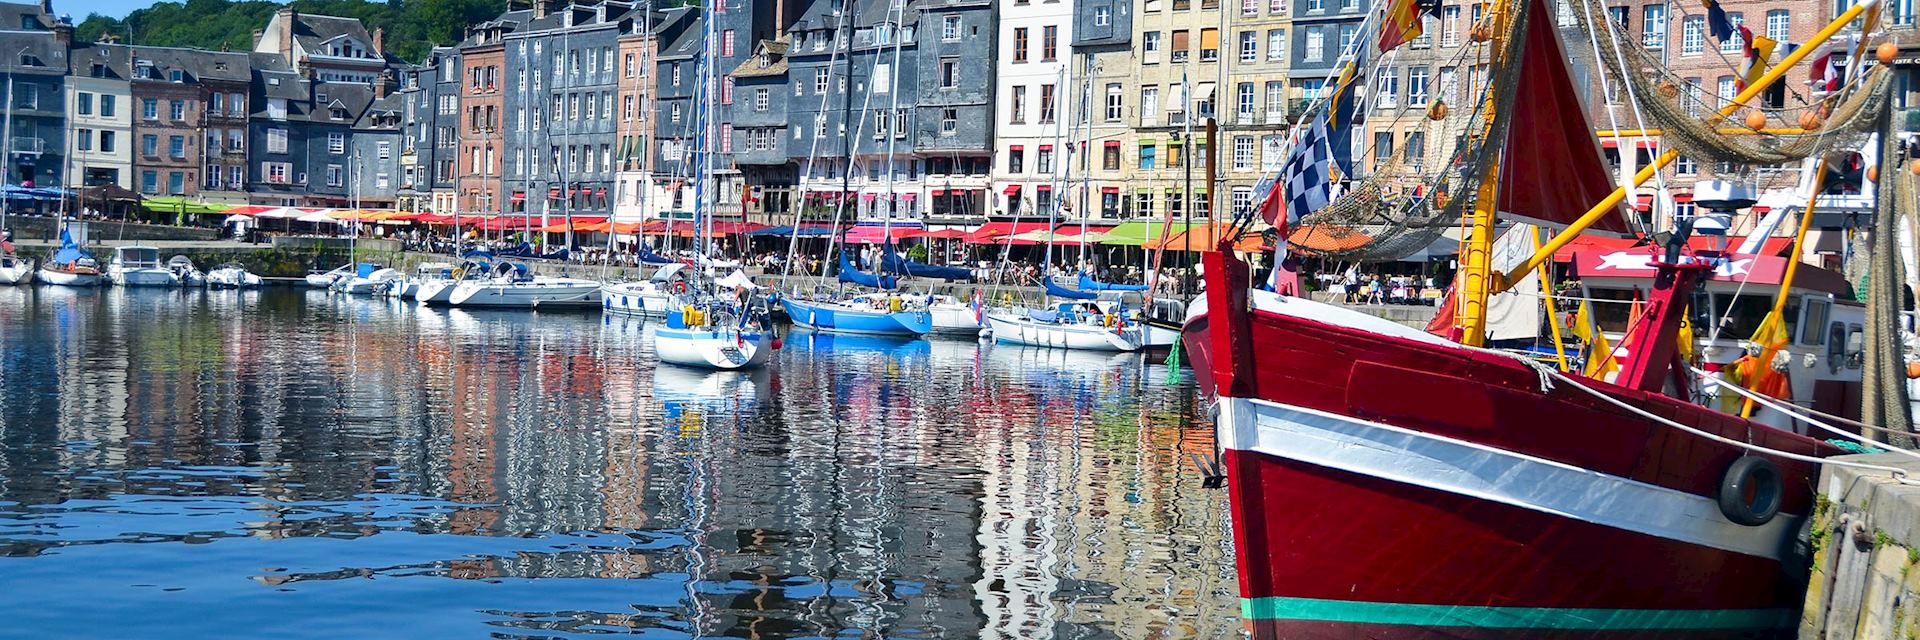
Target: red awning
x,y
874,234
987,232
1046,147
600,192
910,196
553,194
1113,143
1643,203
1044,187
1013,189
1017,147
519,196
1683,197
938,193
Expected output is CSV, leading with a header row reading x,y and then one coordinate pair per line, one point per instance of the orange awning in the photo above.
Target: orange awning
x,y
1206,237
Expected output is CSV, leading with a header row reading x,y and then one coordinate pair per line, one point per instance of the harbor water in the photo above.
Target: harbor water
x,y
286,463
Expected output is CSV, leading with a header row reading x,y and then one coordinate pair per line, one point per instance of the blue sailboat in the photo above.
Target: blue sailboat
x,y
871,315
891,261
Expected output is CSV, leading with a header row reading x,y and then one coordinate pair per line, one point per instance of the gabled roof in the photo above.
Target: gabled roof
x,y
769,59
197,65
388,106
112,58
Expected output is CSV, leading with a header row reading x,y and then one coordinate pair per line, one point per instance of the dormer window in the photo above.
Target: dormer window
x,y
176,75
29,23
339,114
98,70
320,97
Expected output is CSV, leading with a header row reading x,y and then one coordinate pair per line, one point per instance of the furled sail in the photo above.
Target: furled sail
x,y
1087,283
852,275
647,256
891,262
1058,291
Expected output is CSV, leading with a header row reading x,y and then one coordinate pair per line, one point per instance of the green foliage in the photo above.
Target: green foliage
x,y
413,26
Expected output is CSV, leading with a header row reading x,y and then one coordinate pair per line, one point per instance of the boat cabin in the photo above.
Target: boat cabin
x,y
136,257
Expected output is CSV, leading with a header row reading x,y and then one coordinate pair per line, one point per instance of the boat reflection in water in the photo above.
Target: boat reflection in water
x,y
215,465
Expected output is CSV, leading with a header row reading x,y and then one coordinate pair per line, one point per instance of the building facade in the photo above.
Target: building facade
x,y
98,106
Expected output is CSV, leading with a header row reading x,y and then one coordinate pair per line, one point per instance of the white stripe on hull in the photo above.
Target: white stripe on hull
x,y
1487,473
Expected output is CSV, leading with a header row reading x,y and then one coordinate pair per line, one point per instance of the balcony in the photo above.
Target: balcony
x,y
29,146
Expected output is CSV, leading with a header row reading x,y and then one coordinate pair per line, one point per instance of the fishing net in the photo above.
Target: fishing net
x,y
1401,208
1884,393
1683,111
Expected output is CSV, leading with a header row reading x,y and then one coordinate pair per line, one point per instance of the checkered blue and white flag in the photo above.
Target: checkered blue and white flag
x,y
1306,182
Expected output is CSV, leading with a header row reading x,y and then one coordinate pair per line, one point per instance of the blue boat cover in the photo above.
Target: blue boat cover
x,y
850,274
69,252
365,269
891,261
1058,291
1087,283
647,256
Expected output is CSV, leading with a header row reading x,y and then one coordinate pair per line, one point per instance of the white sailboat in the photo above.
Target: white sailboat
x,y
13,268
232,275
648,297
514,285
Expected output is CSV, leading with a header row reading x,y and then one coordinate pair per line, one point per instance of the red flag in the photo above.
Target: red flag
x,y
1402,24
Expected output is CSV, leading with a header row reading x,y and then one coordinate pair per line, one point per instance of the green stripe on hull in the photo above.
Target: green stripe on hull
x,y
1433,615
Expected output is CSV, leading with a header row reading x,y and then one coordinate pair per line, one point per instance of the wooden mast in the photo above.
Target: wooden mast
x,y
1476,255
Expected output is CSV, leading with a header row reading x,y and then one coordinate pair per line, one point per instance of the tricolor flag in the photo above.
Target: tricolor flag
x,y
1402,24
1824,74
1717,21
1756,51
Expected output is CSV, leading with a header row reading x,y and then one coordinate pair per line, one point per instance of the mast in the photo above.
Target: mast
x,y
846,141
6,155
1476,267
1186,194
893,133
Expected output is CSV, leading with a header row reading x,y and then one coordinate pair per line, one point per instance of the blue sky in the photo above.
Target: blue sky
x,y
115,8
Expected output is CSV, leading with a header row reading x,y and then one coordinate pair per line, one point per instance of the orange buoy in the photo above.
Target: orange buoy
x,y
1668,89
1756,120
1438,111
1913,370
1873,174
1916,168
1887,51
1482,32
1810,121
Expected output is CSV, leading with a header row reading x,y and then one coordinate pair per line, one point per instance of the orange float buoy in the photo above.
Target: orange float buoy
x,y
1916,168
1887,51
1756,120
1873,174
1913,370
1810,121
1668,89
1438,111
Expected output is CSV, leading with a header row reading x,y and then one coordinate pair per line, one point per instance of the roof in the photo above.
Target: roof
x,y
690,42
314,31
44,54
113,59
769,59
197,64
11,13
389,106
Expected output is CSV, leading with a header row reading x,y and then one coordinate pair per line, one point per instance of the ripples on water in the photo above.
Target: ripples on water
x,y
221,464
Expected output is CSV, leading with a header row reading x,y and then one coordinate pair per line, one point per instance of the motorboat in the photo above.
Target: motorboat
x,y
1095,325
648,297
232,275
953,317
325,280
184,273
71,266
407,287
13,268
714,332
514,285
439,289
366,278
138,266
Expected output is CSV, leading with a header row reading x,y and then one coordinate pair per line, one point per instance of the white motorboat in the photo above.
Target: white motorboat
x,y
325,280
709,333
184,273
138,266
407,287
513,285
646,298
71,267
232,275
953,317
366,279
1094,326
13,268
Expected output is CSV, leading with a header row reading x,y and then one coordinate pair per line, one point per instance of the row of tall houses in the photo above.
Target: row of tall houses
x,y
932,112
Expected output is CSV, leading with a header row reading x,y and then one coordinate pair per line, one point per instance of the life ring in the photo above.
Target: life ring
x,y
679,286
1751,490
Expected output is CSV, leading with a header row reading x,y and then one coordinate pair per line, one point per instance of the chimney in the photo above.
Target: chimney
x,y
382,86
258,34
539,9
380,42
287,17
63,34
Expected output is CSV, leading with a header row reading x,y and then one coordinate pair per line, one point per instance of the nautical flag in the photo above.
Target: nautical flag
x,y
1717,21
1756,51
979,304
1824,74
1402,24
1600,360
1307,176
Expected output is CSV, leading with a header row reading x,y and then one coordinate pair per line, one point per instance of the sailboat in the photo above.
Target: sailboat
x,y
1388,482
706,329
13,268
71,266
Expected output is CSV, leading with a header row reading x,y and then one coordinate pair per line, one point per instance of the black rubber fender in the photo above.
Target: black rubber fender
x,y
1751,490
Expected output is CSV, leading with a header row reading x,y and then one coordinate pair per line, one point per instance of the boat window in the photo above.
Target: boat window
x,y
1739,317
1836,347
1611,308
1856,346
1815,321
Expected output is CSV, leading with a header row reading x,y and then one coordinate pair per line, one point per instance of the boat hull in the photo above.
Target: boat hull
x,y
1009,329
321,280
955,321
155,277
434,291
707,349
69,278
1355,448
634,299
232,279
16,271
834,318
526,295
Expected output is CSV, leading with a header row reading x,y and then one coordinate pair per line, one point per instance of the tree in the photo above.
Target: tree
x,y
413,27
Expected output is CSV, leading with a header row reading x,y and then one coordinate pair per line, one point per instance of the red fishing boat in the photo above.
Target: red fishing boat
x,y
1389,483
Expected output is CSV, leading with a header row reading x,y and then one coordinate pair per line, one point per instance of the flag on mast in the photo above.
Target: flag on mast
x,y
1401,26
1305,184
1717,21
1755,52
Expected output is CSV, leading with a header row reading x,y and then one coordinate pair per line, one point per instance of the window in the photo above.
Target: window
x,y
628,68
1020,44
1693,35
1102,16
950,28
1243,153
1150,47
1249,46
1415,148
1382,148
1243,102
1316,45
1046,103
1693,97
726,43
1450,26
1019,108
1778,25
1181,45
726,91
1116,102
1110,158
1447,85
1209,45
335,177
1044,161
176,182
949,121
106,106
1726,89
149,145
819,81
761,99
1683,165
949,72
276,141
1732,45
383,149
84,138
1653,26
106,142
336,143
1016,160
1618,14
1349,34
149,109
177,110
1417,86
83,104
1387,89
1316,5
149,182
1276,45
1049,42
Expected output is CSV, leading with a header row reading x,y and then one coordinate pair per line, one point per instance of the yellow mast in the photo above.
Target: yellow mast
x,y
1476,255
1609,204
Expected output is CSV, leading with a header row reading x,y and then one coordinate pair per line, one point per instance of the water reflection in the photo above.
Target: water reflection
x,y
221,463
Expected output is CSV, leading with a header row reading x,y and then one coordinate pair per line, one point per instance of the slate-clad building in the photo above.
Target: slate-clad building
x,y
36,43
560,105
